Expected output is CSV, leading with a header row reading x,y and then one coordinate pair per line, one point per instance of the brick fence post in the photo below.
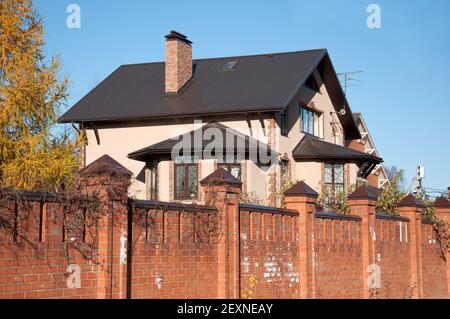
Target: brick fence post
x,y
109,180
223,191
303,199
410,207
362,202
443,212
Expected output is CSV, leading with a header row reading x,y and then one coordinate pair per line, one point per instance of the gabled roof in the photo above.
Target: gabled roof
x,y
410,201
242,143
299,189
257,83
105,165
442,202
314,149
366,192
220,176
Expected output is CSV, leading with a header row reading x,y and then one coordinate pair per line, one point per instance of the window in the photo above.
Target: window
x,y
311,122
336,136
231,166
152,180
334,181
186,178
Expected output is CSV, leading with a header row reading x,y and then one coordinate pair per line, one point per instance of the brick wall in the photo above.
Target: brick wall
x,y
337,257
393,255
433,264
173,255
151,249
41,268
269,253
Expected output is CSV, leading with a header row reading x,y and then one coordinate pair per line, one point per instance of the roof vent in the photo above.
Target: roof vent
x,y
230,66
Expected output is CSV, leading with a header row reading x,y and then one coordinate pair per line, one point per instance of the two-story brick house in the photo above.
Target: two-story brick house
x,y
289,104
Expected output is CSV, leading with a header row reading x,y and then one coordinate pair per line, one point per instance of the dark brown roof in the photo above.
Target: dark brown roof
x,y
365,192
301,188
258,83
442,202
105,165
165,147
220,176
410,201
314,149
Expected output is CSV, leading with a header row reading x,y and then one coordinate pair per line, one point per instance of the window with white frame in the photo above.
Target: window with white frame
x,y
311,122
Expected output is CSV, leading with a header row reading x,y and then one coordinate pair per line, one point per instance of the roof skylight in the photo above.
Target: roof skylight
x,y
230,66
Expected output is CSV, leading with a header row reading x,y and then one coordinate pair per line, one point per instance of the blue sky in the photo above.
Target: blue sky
x,y
406,92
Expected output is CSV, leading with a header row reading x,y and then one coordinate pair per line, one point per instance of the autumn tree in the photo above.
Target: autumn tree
x,y
33,154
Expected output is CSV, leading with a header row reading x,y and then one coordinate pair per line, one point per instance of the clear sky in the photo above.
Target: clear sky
x,y
405,99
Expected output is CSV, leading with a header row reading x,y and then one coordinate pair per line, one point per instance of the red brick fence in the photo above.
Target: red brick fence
x,y
150,249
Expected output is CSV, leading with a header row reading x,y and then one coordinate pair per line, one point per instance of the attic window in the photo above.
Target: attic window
x,y
312,83
230,66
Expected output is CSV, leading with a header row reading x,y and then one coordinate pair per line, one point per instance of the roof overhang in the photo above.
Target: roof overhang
x,y
219,142
312,149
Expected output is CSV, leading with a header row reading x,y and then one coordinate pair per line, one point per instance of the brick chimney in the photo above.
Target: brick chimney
x,y
178,61
448,191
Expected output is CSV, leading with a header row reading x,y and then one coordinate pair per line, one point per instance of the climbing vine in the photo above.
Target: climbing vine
x,y
77,214
440,227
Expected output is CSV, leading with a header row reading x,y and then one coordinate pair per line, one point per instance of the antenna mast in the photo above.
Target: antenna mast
x,y
347,79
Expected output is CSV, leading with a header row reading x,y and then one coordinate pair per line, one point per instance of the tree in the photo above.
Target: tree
x,y
391,196
393,172
32,155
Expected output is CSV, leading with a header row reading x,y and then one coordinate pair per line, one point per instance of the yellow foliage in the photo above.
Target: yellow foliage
x,y
31,96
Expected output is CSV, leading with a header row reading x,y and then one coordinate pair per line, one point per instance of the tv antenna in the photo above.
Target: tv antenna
x,y
416,185
348,79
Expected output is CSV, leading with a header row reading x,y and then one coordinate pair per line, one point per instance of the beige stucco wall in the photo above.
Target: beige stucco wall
x,y
309,172
256,182
119,142
163,181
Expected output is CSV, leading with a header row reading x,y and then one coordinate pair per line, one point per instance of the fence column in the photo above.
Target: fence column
x,y
109,180
410,207
223,191
362,202
303,198
443,212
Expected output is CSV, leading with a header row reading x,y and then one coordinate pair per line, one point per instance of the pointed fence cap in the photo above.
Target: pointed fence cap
x,y
442,202
105,165
365,192
410,201
301,189
220,177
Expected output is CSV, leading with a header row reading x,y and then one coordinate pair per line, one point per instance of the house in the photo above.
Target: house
x,y
285,114
378,177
